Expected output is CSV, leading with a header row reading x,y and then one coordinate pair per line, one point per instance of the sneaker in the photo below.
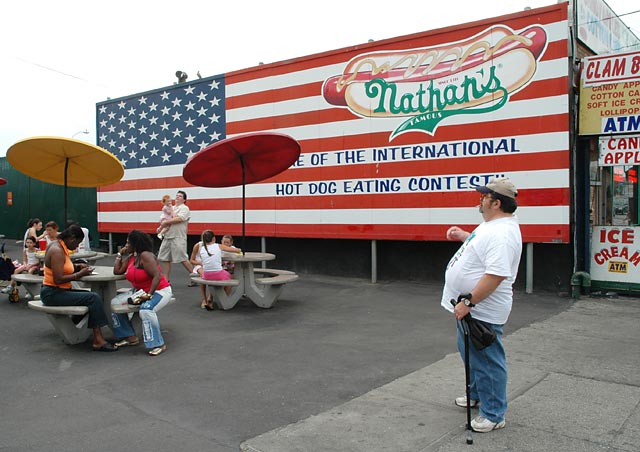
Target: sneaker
x,y
462,402
7,289
483,425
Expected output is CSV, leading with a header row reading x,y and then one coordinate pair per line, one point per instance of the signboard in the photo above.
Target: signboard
x,y
619,150
610,94
615,254
600,28
395,136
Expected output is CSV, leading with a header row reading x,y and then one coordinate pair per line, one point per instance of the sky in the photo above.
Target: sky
x,y
59,59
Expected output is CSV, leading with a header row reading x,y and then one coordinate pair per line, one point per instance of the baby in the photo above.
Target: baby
x,y
167,214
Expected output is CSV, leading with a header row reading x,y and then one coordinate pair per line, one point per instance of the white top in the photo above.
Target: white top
x,y
211,263
85,245
32,258
179,230
494,248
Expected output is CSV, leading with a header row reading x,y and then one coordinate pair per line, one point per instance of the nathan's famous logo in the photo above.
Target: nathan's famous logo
x,y
429,84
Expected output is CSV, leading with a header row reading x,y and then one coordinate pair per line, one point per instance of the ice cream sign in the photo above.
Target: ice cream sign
x,y
425,86
615,254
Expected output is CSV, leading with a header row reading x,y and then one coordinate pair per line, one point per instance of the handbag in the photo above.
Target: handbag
x,y
481,334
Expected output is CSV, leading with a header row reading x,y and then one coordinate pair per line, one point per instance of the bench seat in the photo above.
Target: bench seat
x,y
277,280
31,283
61,320
221,299
208,282
272,271
131,308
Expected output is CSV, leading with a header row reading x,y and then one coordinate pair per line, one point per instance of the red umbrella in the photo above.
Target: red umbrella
x,y
241,160
3,181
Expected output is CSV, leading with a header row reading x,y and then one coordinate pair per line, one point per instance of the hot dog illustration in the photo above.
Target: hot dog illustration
x,y
455,76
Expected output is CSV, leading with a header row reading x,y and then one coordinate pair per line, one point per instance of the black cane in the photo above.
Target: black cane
x,y
465,328
467,377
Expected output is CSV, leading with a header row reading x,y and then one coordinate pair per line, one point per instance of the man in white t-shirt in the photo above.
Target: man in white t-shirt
x,y
174,244
480,278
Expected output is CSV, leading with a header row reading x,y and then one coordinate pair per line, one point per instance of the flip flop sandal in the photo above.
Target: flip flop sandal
x,y
158,350
125,342
106,347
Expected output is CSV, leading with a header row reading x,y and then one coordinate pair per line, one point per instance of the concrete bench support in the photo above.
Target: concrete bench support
x,y
271,288
131,308
220,298
60,318
31,283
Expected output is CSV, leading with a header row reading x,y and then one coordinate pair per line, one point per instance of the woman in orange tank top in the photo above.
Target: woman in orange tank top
x,y
56,290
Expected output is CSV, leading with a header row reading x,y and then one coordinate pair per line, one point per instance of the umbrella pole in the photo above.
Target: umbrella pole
x,y
66,168
243,206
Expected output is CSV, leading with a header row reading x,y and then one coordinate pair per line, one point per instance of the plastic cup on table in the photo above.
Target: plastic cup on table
x,y
43,244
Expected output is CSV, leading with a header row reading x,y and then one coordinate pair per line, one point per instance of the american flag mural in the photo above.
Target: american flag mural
x,y
395,136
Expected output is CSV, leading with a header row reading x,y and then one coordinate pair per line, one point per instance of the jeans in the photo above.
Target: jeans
x,y
54,296
487,375
151,334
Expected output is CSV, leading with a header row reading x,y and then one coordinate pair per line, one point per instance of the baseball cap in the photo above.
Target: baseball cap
x,y
502,186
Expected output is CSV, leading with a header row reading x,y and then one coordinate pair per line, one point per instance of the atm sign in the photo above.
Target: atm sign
x,y
618,267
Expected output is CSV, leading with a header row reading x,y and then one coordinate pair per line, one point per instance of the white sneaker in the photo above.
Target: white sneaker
x,y
462,402
483,425
7,289
27,296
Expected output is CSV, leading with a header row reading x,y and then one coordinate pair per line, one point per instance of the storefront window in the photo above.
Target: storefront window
x,y
614,195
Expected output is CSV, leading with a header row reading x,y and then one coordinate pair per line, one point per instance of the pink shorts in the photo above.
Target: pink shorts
x,y
221,275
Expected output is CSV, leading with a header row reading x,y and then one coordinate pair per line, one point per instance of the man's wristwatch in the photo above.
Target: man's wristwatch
x,y
466,299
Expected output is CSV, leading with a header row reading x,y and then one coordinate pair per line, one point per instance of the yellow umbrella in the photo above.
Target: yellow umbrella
x,y
65,161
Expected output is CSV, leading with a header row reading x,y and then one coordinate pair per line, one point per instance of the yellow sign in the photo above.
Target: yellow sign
x,y
610,94
618,267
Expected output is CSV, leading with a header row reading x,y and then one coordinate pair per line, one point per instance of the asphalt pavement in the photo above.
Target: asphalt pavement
x,y
338,364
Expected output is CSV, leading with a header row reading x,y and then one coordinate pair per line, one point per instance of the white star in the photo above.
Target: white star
x,y
132,125
132,140
177,132
165,157
189,90
202,129
153,120
176,102
176,116
153,106
154,152
202,111
214,136
112,115
214,118
121,105
103,123
103,109
214,102
164,95
112,143
143,145
189,122
122,119
202,96
112,128
177,149
190,153
103,137
153,136
214,84
143,115
122,134
164,126
143,161
142,129
124,162
133,154
132,111
203,144
190,138
165,142
122,148
142,100
165,111
190,105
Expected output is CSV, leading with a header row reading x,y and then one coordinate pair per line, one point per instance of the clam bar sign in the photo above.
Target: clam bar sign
x,y
615,254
